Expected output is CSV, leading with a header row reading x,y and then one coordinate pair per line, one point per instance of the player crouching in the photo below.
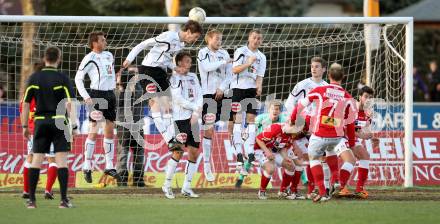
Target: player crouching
x,y
274,149
187,106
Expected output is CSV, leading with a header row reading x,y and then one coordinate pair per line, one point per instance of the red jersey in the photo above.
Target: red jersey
x,y
335,109
274,138
362,120
32,109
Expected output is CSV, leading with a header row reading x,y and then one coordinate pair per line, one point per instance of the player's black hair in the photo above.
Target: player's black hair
x,y
192,26
181,55
366,89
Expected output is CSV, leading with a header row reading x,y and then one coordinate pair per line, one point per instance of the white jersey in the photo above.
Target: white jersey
x,y
300,91
100,68
163,48
186,95
215,71
246,79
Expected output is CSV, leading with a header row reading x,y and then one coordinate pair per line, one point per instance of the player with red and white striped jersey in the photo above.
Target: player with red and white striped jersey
x,y
334,118
273,149
363,132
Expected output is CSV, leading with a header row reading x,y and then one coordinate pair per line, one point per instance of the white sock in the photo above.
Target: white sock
x,y
109,149
347,166
158,121
327,175
250,141
191,168
266,174
236,138
206,144
364,164
89,148
170,132
207,167
169,172
52,165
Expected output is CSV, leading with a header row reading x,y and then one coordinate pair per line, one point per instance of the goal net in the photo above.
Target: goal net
x,y
288,45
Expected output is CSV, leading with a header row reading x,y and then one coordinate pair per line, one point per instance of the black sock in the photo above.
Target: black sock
x,y
63,179
34,174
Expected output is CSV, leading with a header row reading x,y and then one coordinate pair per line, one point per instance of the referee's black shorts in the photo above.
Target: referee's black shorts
x,y
186,133
244,99
110,97
157,79
46,132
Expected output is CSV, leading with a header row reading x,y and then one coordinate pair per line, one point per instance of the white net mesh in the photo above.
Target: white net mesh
x,y
288,49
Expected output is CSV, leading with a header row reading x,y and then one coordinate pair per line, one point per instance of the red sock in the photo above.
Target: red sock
x,y
318,176
332,162
295,181
345,173
265,179
310,181
362,178
287,178
51,176
26,180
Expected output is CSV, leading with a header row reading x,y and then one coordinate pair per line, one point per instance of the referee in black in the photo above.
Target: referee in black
x,y
53,93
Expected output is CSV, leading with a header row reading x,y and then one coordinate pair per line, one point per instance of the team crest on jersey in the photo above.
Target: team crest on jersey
x,y
258,61
192,82
278,143
220,58
209,118
181,137
236,107
96,115
151,88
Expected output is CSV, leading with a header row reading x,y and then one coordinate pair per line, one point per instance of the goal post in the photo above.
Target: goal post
x,y
289,43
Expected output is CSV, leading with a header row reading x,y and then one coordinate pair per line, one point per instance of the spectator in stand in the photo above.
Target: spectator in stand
x,y
434,80
421,91
133,124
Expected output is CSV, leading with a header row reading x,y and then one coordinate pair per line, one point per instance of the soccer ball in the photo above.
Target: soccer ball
x,y
197,14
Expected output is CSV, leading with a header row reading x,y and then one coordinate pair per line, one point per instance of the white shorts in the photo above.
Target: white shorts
x,y
261,158
302,144
343,145
30,143
319,145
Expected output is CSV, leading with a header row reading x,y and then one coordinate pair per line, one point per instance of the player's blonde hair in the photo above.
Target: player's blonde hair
x,y
275,103
336,72
212,33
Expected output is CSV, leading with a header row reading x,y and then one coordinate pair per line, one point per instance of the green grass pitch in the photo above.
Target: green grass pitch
x,y
218,207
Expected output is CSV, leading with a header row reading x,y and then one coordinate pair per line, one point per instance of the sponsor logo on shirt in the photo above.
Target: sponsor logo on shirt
x,y
330,121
